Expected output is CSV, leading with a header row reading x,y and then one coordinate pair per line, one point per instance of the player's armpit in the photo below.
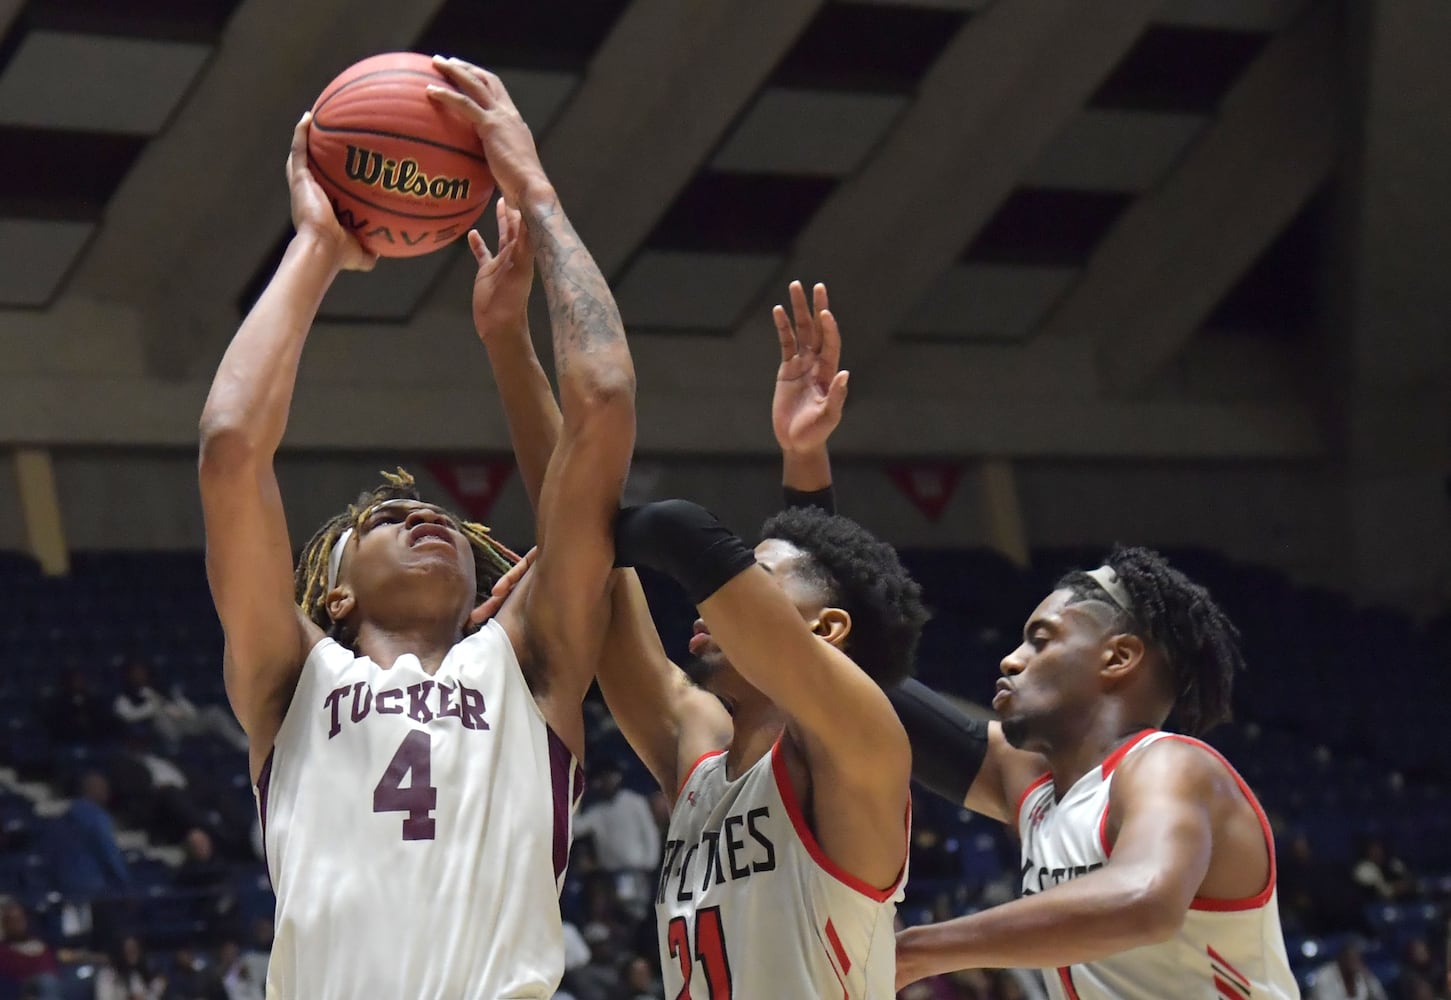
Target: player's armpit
x,y
666,719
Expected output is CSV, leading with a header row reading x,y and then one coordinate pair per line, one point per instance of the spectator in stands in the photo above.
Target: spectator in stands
x,y
1383,877
1315,897
640,981
192,979
139,705
209,879
87,859
27,964
155,794
626,836
1347,978
129,975
598,979
1418,967
238,977
75,715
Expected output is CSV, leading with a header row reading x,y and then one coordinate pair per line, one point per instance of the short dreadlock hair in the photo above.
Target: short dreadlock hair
x,y
863,576
1177,616
491,558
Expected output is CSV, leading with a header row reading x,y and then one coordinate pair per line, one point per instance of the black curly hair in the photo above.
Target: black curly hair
x,y
1199,644
863,576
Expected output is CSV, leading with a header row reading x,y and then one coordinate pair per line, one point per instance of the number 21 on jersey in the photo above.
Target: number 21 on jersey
x,y
709,950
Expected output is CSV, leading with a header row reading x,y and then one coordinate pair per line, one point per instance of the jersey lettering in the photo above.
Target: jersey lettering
x,y
426,701
738,850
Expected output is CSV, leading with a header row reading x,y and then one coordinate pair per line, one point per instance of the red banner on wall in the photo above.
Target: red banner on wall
x,y
474,484
929,485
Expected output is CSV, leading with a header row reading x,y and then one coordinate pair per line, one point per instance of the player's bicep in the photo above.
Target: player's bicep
x,y
249,569
1160,826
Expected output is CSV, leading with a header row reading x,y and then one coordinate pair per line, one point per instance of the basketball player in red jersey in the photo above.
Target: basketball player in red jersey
x,y
1148,866
414,773
786,850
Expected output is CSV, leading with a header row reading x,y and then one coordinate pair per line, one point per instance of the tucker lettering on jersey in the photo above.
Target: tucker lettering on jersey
x,y
738,850
1049,877
421,702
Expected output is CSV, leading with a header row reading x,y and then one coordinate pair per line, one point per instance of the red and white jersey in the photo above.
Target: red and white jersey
x,y
749,906
417,829
1226,950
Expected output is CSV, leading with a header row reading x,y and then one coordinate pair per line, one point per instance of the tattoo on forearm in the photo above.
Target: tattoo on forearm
x,y
582,311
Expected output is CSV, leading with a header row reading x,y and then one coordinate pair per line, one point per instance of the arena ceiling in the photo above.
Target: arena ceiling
x,y
1049,227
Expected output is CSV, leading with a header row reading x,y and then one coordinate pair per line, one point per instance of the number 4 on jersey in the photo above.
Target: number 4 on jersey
x,y
709,950
418,798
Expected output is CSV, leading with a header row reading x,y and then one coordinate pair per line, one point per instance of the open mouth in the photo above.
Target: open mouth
x,y
424,533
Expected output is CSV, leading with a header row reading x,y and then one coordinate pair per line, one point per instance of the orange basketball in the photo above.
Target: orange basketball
x,y
404,175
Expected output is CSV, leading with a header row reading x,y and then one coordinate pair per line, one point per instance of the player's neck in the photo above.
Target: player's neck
x,y
1072,758
757,725
429,641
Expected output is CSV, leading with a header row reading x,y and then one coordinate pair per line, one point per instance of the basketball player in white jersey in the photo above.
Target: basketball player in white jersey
x,y
786,851
1148,866
415,776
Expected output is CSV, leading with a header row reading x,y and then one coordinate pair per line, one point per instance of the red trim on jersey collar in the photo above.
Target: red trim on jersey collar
x,y
690,773
1113,760
1033,786
808,839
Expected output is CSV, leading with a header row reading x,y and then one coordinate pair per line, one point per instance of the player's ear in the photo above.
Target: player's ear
x,y
833,625
340,603
1123,654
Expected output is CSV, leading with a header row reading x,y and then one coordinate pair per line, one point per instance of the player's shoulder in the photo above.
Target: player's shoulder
x,y
1174,763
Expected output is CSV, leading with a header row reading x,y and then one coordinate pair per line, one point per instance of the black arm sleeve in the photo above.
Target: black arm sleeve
x,y
825,499
948,745
685,542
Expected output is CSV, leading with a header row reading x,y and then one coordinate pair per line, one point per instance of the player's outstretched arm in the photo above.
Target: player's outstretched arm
x,y
1159,860
810,392
856,746
952,753
501,319
666,720
566,608
249,556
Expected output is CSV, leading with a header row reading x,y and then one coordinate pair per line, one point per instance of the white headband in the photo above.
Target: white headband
x,y
335,558
1107,578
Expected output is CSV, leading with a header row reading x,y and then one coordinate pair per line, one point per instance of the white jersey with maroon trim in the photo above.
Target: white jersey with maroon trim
x,y
750,908
1226,950
417,828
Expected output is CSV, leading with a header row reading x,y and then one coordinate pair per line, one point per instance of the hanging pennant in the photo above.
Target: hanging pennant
x,y
929,485
475,484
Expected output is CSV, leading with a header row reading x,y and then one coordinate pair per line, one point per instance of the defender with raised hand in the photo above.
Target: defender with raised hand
x,y
787,846
415,773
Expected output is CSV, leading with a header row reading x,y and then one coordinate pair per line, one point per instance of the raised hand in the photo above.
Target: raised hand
x,y
501,286
313,214
483,102
810,391
502,589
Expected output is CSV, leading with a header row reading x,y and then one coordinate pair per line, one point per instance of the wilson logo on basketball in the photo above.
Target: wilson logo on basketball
x,y
373,169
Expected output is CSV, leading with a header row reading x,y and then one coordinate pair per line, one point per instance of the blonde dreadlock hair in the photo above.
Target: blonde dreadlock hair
x,y
492,558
